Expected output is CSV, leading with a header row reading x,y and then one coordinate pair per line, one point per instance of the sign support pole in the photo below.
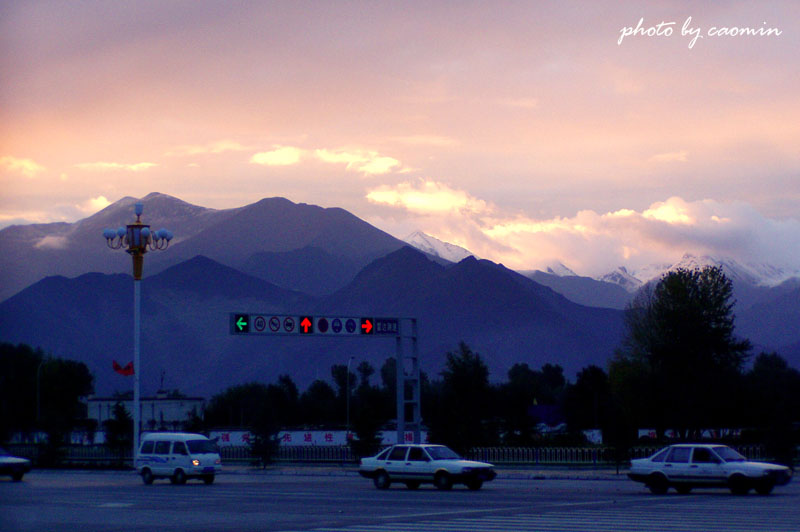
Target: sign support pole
x,y
408,382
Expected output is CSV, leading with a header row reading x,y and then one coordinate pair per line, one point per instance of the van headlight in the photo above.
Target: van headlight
x,y
195,462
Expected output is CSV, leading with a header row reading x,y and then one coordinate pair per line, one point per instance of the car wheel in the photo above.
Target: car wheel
x,y
738,485
382,480
474,485
412,484
657,484
179,477
17,476
443,481
684,490
147,477
764,488
208,479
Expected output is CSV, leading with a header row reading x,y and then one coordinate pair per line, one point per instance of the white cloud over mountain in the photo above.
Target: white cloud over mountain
x,y
593,243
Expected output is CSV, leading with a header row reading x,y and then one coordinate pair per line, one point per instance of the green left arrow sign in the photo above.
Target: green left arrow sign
x,y
241,323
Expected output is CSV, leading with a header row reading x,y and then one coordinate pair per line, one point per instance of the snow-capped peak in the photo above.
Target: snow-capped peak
x,y
558,269
436,247
750,273
622,277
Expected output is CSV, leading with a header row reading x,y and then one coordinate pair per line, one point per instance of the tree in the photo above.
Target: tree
x,y
588,401
680,349
461,415
41,392
119,430
318,404
772,389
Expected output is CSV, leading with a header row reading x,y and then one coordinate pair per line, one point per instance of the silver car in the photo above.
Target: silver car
x,y
13,466
414,464
688,466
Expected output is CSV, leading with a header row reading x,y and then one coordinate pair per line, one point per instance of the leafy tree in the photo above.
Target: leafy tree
x,y
772,389
318,404
680,349
18,388
371,409
461,415
119,430
517,397
365,371
587,402
39,391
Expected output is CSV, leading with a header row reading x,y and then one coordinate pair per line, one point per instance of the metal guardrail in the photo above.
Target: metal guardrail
x,y
579,455
102,456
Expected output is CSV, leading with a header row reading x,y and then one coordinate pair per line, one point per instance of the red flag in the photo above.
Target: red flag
x,y
127,370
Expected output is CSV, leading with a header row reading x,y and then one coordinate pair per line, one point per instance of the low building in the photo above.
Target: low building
x,y
165,411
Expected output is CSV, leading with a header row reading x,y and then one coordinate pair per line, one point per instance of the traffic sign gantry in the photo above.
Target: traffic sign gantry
x,y
280,324
344,326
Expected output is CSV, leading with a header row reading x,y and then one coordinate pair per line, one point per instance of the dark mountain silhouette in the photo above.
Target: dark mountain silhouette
x,y
265,238
309,269
584,290
185,322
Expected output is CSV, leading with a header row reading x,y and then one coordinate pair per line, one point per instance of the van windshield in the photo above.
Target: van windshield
x,y
202,446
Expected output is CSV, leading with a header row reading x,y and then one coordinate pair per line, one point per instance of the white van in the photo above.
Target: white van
x,y
177,456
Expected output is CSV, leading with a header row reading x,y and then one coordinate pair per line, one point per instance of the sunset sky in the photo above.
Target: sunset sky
x,y
523,131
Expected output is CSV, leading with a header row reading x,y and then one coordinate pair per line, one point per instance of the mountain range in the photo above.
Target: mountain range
x,y
275,256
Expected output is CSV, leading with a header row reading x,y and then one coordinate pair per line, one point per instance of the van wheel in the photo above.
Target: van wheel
x,y
147,476
208,479
179,477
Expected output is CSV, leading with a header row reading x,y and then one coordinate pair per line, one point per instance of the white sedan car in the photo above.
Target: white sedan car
x,y
13,466
688,466
414,464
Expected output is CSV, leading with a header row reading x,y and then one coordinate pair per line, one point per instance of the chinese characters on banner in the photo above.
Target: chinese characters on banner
x,y
310,438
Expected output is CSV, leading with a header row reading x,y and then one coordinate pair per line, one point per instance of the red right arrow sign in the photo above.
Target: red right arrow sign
x,y
366,326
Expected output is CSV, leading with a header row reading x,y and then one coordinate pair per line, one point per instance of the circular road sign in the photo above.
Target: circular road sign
x,y
350,325
288,324
322,325
336,326
260,323
274,324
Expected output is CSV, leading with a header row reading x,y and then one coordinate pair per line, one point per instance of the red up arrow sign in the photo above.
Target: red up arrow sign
x,y
306,325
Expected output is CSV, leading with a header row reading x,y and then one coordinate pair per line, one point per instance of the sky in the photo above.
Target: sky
x,y
595,133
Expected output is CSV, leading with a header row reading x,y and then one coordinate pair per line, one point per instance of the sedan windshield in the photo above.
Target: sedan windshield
x,y
729,455
442,453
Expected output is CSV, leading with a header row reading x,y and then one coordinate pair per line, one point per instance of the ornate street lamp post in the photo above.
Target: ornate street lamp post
x,y
137,239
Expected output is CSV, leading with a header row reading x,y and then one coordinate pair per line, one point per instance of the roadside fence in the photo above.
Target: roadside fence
x,y
101,456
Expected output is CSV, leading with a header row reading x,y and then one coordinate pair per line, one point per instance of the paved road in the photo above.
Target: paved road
x,y
111,501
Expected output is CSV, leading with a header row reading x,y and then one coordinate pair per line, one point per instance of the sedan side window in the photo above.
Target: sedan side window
x,y
416,454
679,455
398,453
702,455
